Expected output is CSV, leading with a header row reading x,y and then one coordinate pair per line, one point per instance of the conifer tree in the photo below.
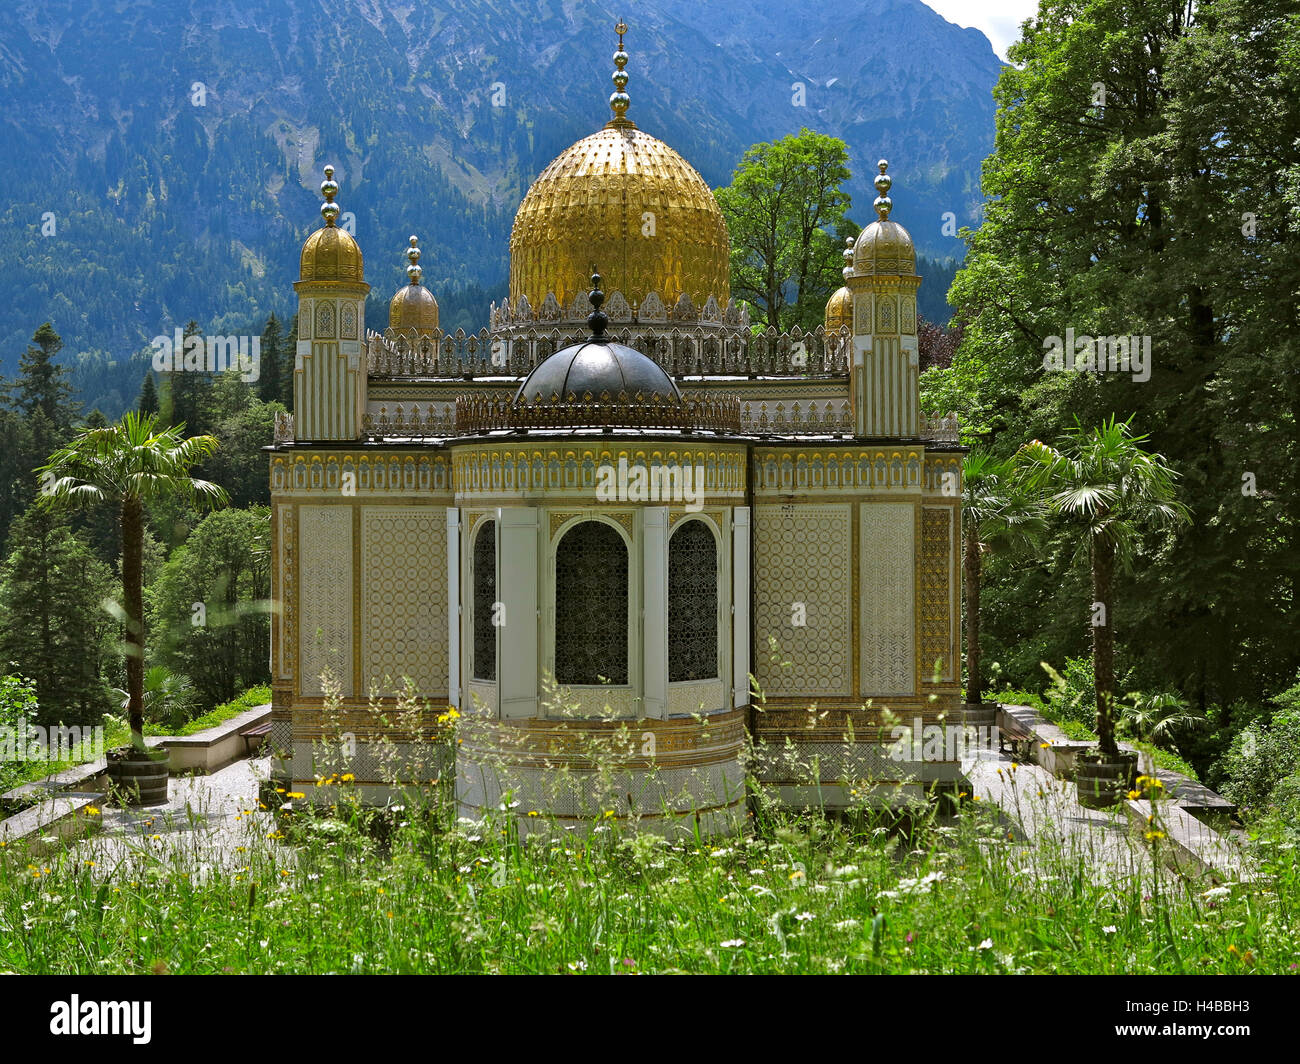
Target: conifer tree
x,y
269,387
42,383
148,401
187,392
53,626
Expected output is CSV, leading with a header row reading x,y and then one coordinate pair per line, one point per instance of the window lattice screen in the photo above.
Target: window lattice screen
x,y
591,586
692,603
485,597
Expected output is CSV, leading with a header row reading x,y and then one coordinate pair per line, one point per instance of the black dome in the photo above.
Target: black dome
x,y
597,367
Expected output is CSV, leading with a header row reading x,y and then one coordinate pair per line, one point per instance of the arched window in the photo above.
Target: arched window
x,y
485,598
591,605
692,603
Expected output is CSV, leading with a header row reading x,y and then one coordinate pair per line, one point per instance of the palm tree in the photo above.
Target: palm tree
x,y
1102,479
1159,718
125,465
998,513
168,697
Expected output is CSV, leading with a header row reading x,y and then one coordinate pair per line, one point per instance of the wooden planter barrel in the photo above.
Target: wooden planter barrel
x,y
1103,784
138,777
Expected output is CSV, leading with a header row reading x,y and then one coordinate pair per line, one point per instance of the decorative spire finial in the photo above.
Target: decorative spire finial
x,y
596,321
619,100
413,271
883,184
329,188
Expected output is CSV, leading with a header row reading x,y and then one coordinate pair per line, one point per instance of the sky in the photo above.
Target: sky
x,y
998,20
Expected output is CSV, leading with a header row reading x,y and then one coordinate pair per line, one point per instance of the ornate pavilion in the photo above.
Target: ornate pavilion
x,y
638,546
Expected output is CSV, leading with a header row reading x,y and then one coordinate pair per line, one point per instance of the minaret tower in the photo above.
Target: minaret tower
x,y
329,380
881,275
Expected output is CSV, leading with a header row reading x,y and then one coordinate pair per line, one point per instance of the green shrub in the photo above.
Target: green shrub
x,y
1078,731
1167,759
1013,697
17,702
250,699
1259,766
1071,695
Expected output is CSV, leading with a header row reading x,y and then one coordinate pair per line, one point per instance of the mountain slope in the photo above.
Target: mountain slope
x,y
177,144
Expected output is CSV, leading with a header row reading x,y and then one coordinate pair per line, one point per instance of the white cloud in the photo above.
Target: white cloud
x,y
998,20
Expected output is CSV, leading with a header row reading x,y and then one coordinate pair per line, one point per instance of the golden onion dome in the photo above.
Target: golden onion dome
x,y
625,200
330,253
884,246
413,308
839,310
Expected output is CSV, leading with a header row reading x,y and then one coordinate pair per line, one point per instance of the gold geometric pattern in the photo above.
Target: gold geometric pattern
x,y
324,320
325,598
886,587
802,573
884,314
403,598
288,631
936,629
330,254
387,473
558,517
626,202
786,470
499,470
907,315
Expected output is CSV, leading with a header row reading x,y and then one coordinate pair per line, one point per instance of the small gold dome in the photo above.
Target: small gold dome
x,y
884,246
413,308
627,201
839,310
330,253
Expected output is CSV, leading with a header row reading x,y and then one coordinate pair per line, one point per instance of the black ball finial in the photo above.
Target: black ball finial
x,y
596,321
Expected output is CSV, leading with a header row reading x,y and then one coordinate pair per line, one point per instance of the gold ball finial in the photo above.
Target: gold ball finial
x,y
619,99
414,270
883,183
329,188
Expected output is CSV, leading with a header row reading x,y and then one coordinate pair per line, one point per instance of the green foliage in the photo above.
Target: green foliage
x,y
1262,765
1111,489
1167,759
17,703
148,401
1070,696
169,698
999,516
1012,696
785,216
42,382
250,699
1162,717
1163,210
209,607
242,425
124,466
350,893
1078,731
52,620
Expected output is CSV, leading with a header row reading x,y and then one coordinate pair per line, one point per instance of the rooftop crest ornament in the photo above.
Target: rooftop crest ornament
x,y
596,320
619,100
